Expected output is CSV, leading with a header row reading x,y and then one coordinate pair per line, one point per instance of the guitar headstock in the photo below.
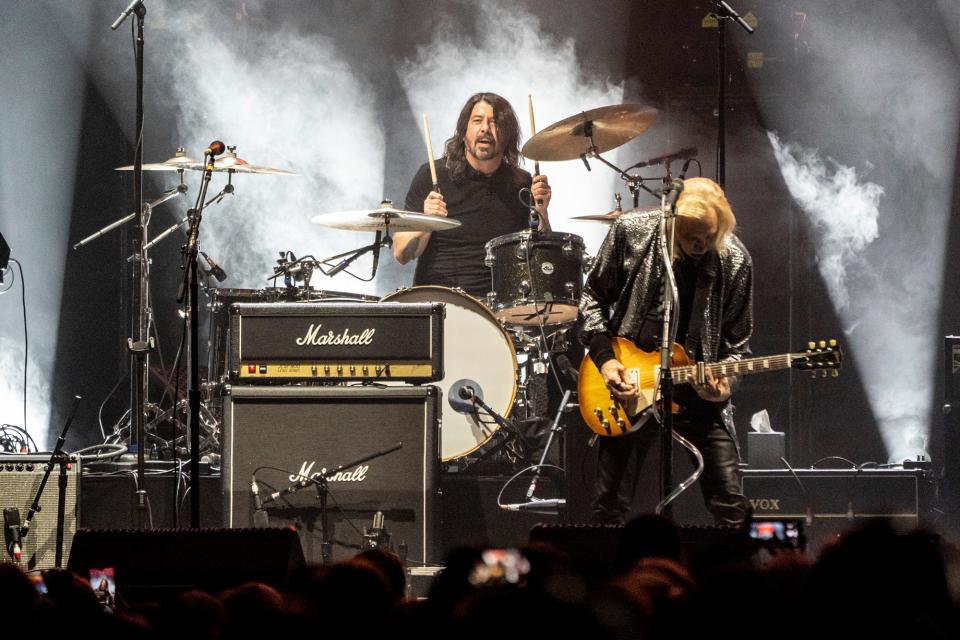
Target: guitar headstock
x,y
824,356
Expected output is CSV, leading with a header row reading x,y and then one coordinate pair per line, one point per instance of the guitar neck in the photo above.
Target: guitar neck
x,y
686,374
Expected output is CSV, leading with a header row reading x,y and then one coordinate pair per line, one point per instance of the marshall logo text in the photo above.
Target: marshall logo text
x,y
358,474
313,336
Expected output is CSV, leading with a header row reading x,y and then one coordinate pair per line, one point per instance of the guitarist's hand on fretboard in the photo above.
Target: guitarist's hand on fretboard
x,y
615,377
714,388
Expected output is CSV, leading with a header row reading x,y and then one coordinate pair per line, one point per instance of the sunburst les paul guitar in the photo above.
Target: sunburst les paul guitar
x,y
608,415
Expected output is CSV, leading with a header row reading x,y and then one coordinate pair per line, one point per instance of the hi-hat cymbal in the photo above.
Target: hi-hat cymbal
x,y
597,130
379,219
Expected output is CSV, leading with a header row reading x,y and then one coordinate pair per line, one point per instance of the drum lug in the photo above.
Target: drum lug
x,y
570,288
568,249
490,260
492,299
524,287
521,251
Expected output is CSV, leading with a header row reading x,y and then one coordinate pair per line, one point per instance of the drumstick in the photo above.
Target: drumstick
x,y
533,132
433,167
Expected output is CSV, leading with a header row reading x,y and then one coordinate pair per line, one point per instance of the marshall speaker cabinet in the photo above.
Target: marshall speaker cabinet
x,y
279,343
283,435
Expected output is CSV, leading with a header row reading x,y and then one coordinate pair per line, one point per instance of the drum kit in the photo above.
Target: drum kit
x,y
502,343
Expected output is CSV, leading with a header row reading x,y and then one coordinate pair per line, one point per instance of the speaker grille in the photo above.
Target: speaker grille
x,y
283,432
19,481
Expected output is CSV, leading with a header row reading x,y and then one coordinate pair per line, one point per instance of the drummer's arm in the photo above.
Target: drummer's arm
x,y
540,189
408,245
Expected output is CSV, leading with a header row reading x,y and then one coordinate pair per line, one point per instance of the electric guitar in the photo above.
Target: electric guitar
x,y
608,415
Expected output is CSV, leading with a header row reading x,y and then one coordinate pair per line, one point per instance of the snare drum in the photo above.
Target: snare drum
x,y
536,277
475,348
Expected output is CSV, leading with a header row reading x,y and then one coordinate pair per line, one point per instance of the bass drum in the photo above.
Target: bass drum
x,y
476,348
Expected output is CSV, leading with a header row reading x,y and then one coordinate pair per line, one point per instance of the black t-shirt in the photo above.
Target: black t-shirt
x,y
486,206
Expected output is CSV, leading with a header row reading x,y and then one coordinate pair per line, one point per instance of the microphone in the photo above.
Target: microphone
x,y
685,153
255,490
11,532
535,504
216,148
215,269
123,16
463,394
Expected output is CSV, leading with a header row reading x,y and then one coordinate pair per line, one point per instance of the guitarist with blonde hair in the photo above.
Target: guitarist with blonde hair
x,y
622,298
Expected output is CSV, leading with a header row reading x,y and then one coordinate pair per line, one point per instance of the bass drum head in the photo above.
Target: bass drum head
x,y
475,347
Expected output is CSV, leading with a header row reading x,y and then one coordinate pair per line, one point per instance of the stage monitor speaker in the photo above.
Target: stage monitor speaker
x,y
284,434
158,564
20,477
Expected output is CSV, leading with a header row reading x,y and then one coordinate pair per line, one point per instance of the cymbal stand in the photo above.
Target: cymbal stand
x,y
228,189
167,195
634,182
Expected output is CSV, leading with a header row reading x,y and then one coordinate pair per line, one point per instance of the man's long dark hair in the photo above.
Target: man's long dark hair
x,y
508,131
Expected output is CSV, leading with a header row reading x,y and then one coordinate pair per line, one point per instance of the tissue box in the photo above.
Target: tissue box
x,y
764,450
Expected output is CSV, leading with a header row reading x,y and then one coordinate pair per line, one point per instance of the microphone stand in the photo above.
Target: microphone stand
x,y
669,289
319,481
723,12
58,457
189,265
555,429
140,347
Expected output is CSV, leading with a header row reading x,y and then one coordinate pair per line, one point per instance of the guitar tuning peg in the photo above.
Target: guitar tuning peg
x,y
823,344
834,374
811,345
833,343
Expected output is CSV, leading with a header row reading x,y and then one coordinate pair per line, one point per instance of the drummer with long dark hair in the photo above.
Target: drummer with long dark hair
x,y
480,185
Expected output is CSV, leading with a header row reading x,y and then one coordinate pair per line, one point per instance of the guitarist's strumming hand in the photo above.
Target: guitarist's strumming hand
x,y
615,377
714,388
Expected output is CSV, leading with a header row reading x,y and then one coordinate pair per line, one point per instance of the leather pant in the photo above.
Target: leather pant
x,y
620,460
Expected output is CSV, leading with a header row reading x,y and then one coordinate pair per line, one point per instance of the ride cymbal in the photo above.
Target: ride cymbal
x,y
594,131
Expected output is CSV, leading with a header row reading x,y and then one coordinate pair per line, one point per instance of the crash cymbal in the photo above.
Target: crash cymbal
x,y
601,217
377,220
607,127
178,162
230,162
612,215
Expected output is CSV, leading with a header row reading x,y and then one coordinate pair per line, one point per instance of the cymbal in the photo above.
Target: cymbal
x,y
178,162
601,217
611,215
609,127
377,220
230,162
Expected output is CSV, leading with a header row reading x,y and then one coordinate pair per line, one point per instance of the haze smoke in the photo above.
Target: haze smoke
x,y
285,100
842,209
512,55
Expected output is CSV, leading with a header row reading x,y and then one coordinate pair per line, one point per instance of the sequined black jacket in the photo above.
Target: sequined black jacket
x,y
624,284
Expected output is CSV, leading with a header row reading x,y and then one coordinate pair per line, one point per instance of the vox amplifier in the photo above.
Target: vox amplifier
x,y
20,477
277,343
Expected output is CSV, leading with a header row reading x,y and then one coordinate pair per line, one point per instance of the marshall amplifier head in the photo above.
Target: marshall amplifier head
x,y
277,343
